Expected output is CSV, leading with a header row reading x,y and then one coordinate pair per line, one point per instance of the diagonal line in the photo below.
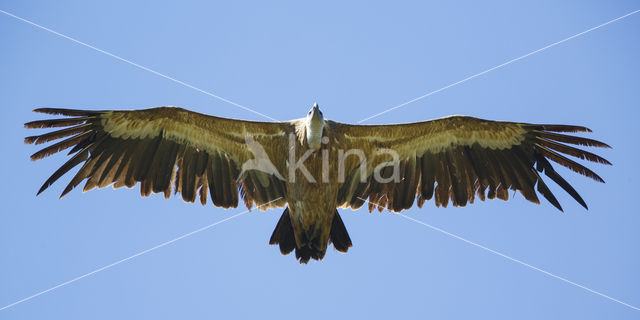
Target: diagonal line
x,y
120,261
510,258
518,261
130,257
499,66
137,65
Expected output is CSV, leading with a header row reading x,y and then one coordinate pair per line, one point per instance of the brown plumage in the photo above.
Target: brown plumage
x,y
453,160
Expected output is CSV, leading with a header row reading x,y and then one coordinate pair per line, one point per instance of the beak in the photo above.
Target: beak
x,y
316,110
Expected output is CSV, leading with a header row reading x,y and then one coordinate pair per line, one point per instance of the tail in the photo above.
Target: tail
x,y
284,236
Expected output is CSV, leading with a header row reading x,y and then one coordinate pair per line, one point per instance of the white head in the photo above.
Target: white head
x,y
314,116
315,126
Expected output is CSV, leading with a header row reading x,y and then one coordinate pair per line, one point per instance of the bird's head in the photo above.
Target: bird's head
x,y
314,116
315,126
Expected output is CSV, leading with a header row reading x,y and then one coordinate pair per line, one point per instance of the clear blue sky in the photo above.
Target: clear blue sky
x,y
354,59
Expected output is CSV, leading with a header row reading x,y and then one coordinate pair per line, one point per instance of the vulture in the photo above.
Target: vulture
x,y
312,166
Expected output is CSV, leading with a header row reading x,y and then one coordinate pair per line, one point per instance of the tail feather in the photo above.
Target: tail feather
x,y
339,235
284,236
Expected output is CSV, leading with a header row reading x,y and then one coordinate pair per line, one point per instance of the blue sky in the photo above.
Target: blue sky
x,y
355,59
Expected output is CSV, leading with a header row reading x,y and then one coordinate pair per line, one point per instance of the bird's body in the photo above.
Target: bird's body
x,y
312,187
312,166
311,203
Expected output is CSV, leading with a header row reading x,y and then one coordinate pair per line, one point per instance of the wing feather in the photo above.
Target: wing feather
x,y
444,181
560,128
461,157
108,175
54,123
576,167
68,112
214,176
121,174
93,177
458,177
570,139
411,175
74,161
428,175
187,175
578,153
526,184
59,134
80,175
503,170
479,167
62,145
544,190
162,149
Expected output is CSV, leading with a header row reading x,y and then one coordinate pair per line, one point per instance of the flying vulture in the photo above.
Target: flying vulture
x,y
312,166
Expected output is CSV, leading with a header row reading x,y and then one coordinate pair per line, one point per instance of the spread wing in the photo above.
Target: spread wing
x,y
165,148
457,159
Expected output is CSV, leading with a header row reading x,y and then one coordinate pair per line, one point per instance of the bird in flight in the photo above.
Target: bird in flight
x,y
312,166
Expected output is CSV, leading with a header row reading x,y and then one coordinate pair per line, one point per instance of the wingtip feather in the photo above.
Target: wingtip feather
x,y
65,112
